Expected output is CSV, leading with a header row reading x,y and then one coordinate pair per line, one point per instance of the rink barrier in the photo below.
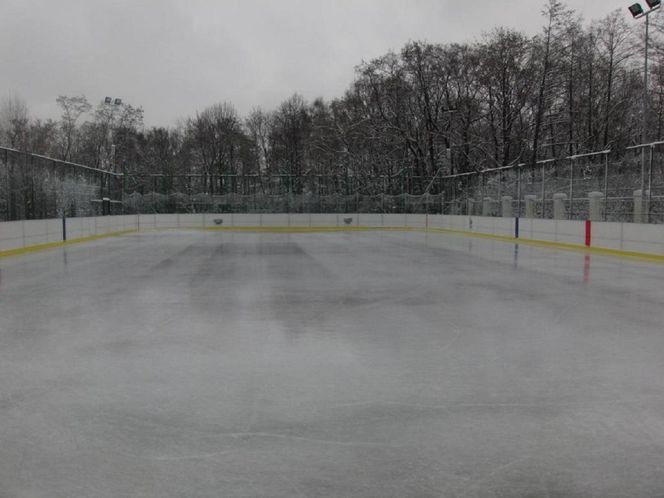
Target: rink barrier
x,y
631,240
52,245
20,237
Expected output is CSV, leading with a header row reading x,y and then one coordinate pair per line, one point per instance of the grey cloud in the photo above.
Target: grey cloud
x,y
175,57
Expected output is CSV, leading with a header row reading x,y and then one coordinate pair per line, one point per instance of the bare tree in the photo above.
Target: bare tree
x,y
14,122
216,135
259,126
557,17
72,109
613,35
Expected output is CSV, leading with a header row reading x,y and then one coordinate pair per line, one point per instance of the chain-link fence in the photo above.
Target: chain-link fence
x,y
38,187
599,185
602,186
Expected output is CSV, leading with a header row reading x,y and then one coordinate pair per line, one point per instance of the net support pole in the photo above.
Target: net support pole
x,y
648,204
571,189
543,191
606,186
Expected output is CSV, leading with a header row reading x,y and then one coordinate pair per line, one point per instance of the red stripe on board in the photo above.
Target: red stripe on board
x,y
589,232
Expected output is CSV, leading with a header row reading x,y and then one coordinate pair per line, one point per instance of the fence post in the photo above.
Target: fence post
x,y
487,206
559,206
571,188
530,205
507,208
500,184
518,190
9,187
595,201
470,206
543,191
649,203
641,207
606,186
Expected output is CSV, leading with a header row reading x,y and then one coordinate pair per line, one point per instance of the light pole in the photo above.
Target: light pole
x,y
638,12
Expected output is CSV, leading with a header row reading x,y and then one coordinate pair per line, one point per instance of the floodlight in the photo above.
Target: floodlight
x,y
653,4
636,9
108,100
118,101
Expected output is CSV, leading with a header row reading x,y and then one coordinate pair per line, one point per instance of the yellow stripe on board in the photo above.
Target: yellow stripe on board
x,y
52,245
642,256
565,246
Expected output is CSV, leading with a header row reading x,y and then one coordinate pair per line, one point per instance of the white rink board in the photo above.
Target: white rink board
x,y
416,220
369,220
190,220
619,236
300,220
325,220
609,235
643,238
11,235
78,228
167,221
275,220
394,220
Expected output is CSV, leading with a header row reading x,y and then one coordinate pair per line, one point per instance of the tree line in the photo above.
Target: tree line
x,y
429,108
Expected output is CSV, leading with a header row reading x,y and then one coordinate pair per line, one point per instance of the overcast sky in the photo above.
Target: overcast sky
x,y
175,57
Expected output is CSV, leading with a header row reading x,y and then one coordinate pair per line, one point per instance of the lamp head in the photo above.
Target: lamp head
x,y
653,4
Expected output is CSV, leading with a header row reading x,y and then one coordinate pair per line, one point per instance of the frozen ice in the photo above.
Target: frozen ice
x,y
200,364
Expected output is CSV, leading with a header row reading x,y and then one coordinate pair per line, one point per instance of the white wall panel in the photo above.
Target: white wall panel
x,y
504,227
416,220
129,222
190,220
300,219
394,220
606,234
324,220
78,228
485,224
643,233
346,216
644,238
542,229
208,220
54,230
370,220
167,221
101,225
436,221
11,235
147,221
275,220
643,246
569,231
36,232
457,222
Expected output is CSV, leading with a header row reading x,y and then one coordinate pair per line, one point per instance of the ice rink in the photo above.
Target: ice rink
x,y
378,364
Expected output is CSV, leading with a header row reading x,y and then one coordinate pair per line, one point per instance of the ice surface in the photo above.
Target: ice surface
x,y
192,364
